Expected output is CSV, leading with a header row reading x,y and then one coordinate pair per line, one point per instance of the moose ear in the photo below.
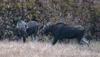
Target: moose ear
x,y
49,23
46,25
41,26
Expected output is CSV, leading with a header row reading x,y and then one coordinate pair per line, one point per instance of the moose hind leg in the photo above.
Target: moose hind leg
x,y
24,39
54,41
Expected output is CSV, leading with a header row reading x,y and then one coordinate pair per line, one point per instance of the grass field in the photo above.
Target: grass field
x,y
44,49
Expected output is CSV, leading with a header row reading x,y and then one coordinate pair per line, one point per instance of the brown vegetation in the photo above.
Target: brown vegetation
x,y
72,12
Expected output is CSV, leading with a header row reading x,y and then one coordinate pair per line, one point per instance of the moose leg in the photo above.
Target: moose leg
x,y
79,40
54,41
24,36
33,37
24,39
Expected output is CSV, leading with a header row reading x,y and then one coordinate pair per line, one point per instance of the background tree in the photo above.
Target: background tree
x,y
72,12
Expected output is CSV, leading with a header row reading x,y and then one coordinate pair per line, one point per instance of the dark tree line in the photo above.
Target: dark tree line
x,y
72,12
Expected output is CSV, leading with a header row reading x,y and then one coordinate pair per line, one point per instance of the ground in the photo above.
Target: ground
x,y
45,49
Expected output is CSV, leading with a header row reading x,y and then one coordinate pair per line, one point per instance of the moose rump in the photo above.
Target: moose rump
x,y
32,28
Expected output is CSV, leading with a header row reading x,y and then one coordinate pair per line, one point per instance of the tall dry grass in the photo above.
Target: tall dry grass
x,y
43,49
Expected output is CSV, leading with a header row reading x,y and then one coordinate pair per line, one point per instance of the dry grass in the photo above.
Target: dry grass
x,y
41,49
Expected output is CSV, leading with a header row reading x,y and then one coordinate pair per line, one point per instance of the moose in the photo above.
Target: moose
x,y
25,29
62,31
